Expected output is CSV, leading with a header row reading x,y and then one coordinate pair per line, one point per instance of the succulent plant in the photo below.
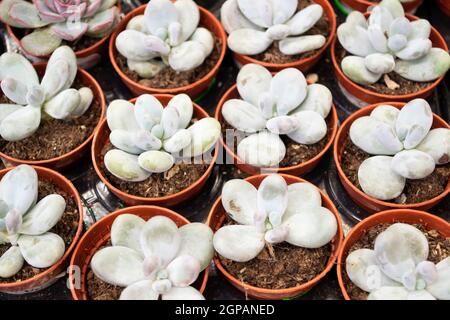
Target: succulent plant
x,y
397,267
25,224
53,97
166,35
404,146
154,258
283,104
149,137
273,213
387,41
56,20
254,25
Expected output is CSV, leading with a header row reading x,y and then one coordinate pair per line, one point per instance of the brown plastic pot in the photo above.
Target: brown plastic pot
x,y
444,5
194,90
217,217
74,155
363,5
49,276
299,169
303,64
359,197
101,137
370,96
100,233
429,221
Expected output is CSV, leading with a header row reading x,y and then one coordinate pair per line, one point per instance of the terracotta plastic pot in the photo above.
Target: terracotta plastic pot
x,y
299,169
100,233
194,90
444,5
217,217
361,199
428,220
52,274
373,97
363,5
302,64
101,137
71,157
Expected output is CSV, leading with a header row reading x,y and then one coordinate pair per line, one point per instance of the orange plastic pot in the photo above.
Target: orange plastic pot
x,y
48,276
429,221
217,217
303,64
101,138
359,197
373,97
444,5
98,236
194,90
363,5
299,169
74,155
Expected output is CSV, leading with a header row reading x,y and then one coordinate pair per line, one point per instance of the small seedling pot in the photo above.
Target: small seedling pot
x,y
216,219
101,137
74,155
194,90
428,220
299,169
303,64
49,276
100,233
363,5
370,96
444,5
359,197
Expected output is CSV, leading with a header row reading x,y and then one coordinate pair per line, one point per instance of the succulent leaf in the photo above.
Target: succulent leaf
x,y
288,90
301,196
41,251
413,164
312,127
386,113
141,290
156,161
204,135
283,10
440,287
260,12
272,198
125,140
298,45
437,145
318,99
355,68
41,42
138,46
102,22
355,39
420,29
204,37
26,15
159,14
239,199
415,49
170,121
197,242
138,23
394,7
381,16
263,149
232,18
397,42
283,124
248,41
69,32
179,141
146,69
305,19
20,124
187,293
63,104
14,90
86,98
183,270
379,63
125,166
126,230
377,38
17,67
11,262
252,81
120,115
357,18
414,122
188,17
187,56
7,109
183,104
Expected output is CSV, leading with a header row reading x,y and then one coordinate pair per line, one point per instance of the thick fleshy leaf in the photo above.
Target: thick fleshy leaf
x,y
437,145
145,140
389,293
400,25
63,104
232,18
138,23
305,19
180,140
415,49
379,63
86,98
41,251
283,124
44,215
141,290
138,46
120,115
394,7
170,121
187,56
239,199
318,99
126,231
120,266
159,14
204,37
125,166
156,161
69,32
183,104
5,5
298,45
106,4
386,113
357,18
147,111
440,287
187,293
25,14
420,29
413,164
14,90
41,42
252,81
197,241
263,149
125,140
278,32
355,68
260,12
377,38
397,42
102,22
183,270
238,243
11,262
248,41
188,17
355,39
272,198
20,124
283,10
7,109
204,135
381,17
301,196
312,127
146,69
288,90
17,67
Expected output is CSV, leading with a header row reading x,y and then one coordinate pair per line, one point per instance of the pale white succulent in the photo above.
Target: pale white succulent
x,y
403,145
271,106
273,213
25,224
167,35
149,137
387,41
397,267
254,25
53,96
154,258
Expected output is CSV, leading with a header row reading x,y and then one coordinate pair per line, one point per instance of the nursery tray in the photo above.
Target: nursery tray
x,y
98,201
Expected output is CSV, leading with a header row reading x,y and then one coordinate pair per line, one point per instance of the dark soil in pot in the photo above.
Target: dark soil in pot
x,y
415,191
275,56
66,228
439,250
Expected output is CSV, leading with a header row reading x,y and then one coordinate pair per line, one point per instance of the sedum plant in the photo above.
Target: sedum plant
x,y
387,41
254,25
273,213
397,267
167,35
52,97
403,146
154,259
55,21
149,137
271,106
25,224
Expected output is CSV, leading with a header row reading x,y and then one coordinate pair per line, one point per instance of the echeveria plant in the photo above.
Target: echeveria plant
x,y
154,259
52,97
254,25
271,106
166,35
148,137
397,267
387,41
25,224
273,213
403,145
55,21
